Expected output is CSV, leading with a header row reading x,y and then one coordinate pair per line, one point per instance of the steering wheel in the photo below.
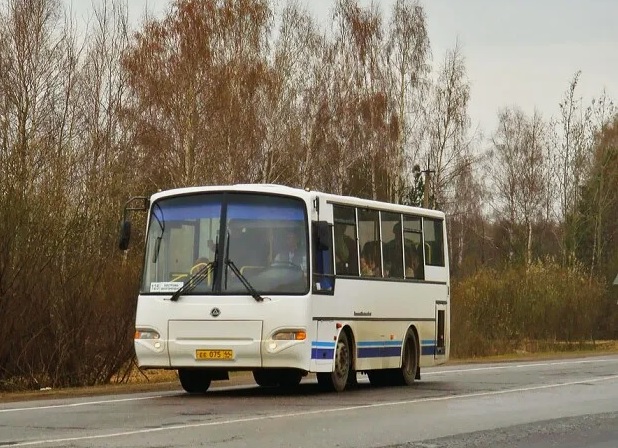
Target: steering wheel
x,y
198,267
286,263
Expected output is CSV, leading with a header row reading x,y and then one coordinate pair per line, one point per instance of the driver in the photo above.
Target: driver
x,y
292,252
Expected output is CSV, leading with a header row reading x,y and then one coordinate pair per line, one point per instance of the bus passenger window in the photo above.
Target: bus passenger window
x,y
434,242
323,276
370,260
414,264
346,251
413,247
391,245
369,243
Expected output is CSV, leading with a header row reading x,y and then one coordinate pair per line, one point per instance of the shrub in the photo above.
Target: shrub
x,y
499,311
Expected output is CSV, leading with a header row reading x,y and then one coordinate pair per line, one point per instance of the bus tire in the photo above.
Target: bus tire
x,y
409,361
290,378
194,381
265,378
337,380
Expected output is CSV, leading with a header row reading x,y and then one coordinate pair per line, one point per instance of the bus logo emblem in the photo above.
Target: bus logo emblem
x,y
215,312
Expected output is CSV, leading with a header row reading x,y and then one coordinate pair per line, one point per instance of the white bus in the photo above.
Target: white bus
x,y
284,282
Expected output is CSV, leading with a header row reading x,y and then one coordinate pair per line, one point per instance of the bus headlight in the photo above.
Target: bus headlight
x,y
148,338
146,333
290,335
285,338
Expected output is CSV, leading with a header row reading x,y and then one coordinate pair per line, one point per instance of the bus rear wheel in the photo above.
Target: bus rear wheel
x,y
405,375
194,381
337,380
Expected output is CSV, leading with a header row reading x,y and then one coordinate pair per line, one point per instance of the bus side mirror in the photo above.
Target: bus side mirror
x,y
139,203
125,234
323,235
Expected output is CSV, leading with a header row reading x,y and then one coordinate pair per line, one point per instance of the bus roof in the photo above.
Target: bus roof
x,y
306,195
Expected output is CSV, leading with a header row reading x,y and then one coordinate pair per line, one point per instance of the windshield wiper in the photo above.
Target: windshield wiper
x,y
244,281
161,222
193,281
236,271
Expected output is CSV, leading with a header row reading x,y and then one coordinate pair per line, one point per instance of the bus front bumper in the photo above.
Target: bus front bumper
x,y
231,345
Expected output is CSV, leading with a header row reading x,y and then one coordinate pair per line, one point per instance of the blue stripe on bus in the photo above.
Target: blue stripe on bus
x,y
392,351
322,350
322,353
379,352
428,350
370,349
378,343
322,344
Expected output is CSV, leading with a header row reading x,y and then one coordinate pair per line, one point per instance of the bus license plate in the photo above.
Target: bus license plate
x,y
214,355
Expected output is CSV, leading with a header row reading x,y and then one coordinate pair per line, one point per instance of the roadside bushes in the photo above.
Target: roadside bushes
x,y
526,307
69,325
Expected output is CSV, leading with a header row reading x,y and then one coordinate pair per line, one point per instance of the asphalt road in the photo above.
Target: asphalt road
x,y
569,403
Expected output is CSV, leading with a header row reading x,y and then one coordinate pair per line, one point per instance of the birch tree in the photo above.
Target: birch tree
x,y
447,126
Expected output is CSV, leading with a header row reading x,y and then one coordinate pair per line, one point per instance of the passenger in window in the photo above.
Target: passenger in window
x,y
342,250
393,253
413,263
370,264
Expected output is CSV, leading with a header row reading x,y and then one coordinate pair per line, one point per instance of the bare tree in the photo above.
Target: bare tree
x,y
519,171
366,127
466,216
601,194
197,77
572,155
291,104
447,126
407,52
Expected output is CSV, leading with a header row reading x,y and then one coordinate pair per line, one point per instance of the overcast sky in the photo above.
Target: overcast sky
x,y
521,52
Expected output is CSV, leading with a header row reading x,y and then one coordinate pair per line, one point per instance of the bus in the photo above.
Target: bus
x,y
283,282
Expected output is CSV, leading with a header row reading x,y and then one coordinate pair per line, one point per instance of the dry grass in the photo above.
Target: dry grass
x,y
539,350
138,381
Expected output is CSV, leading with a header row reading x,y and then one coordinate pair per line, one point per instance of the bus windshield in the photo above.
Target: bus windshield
x,y
264,236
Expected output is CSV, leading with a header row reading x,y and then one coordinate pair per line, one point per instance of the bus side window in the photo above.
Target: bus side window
x,y
346,249
413,247
434,242
323,275
392,245
369,242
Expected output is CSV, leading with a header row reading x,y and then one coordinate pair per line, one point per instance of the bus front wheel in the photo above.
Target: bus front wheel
x,y
338,378
194,381
265,378
286,378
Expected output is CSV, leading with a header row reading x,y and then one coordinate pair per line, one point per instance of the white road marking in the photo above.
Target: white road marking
x,y
83,403
305,413
517,366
